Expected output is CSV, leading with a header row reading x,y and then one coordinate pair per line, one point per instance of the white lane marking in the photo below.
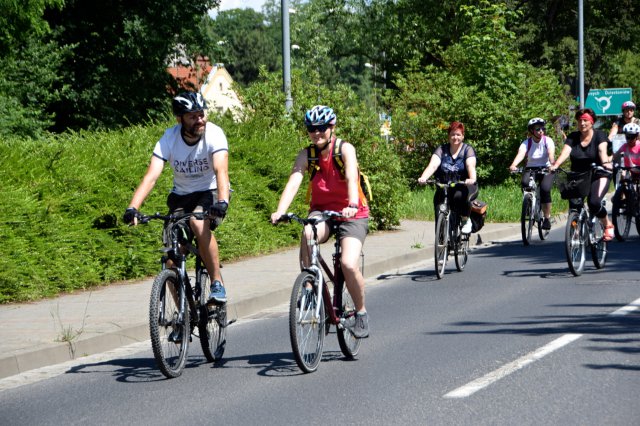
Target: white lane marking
x,y
633,306
481,383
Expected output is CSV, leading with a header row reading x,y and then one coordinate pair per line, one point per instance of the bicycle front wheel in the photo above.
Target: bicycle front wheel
x,y
574,242
213,323
441,249
621,215
462,252
542,233
169,332
306,329
526,219
349,345
598,246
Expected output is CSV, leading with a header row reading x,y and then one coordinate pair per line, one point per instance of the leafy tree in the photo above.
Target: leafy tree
x,y
29,63
482,83
548,35
240,39
117,73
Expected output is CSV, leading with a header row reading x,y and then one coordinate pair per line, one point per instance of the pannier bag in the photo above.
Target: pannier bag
x,y
575,185
478,215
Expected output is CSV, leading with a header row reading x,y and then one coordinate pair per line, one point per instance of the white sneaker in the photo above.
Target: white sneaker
x,y
466,226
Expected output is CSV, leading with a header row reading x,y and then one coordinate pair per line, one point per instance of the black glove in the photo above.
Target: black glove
x,y
219,209
130,214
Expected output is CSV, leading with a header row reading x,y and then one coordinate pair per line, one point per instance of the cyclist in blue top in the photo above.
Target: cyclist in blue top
x,y
455,161
540,152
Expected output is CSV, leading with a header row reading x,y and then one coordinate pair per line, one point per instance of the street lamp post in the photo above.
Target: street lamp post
x,y
286,56
581,51
375,91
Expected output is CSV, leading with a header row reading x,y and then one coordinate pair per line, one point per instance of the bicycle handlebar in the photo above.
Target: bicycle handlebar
x,y
326,215
541,170
442,184
594,166
144,218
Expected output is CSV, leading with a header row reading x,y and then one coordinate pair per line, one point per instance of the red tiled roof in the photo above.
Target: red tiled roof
x,y
189,77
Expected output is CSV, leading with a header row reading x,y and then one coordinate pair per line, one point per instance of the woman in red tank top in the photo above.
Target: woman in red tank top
x,y
330,190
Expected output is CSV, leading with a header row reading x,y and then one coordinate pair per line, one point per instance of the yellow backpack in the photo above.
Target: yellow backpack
x,y
364,189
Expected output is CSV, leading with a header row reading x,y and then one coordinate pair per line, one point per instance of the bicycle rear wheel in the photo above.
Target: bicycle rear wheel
x,y
599,247
526,219
349,345
213,323
574,241
306,331
164,321
462,252
441,249
621,215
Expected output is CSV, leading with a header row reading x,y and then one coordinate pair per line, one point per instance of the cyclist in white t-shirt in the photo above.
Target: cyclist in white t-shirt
x,y
197,151
540,152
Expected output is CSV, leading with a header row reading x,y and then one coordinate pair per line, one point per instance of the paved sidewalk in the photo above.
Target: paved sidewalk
x,y
33,334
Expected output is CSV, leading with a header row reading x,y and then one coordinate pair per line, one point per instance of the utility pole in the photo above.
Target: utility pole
x,y
581,51
286,56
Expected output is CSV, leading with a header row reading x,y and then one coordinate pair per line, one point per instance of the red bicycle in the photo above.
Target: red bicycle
x,y
312,308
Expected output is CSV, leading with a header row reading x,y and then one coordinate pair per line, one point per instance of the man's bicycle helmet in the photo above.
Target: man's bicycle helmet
x,y
631,129
319,115
536,121
188,102
628,105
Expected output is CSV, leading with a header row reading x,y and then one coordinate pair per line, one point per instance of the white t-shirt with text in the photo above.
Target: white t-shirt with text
x,y
192,165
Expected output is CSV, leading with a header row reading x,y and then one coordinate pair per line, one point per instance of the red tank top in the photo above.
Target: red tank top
x,y
329,189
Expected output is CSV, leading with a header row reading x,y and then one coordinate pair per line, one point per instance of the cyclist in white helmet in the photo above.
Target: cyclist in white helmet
x,y
540,152
630,151
628,111
331,190
197,151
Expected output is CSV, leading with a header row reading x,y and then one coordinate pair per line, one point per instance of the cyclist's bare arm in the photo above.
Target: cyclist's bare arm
x,y
434,163
221,169
471,170
293,184
148,182
351,175
522,151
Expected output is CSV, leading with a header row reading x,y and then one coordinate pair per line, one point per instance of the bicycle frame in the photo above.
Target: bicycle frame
x,y
584,230
318,266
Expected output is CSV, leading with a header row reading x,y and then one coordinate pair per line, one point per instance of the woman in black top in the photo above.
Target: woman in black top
x,y
585,147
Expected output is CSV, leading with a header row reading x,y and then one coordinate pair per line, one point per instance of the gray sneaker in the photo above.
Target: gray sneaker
x,y
218,294
360,327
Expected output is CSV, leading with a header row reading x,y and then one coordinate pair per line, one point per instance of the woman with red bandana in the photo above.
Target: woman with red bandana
x,y
585,147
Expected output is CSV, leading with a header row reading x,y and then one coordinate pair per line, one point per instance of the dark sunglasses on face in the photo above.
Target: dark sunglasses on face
x,y
630,137
321,128
539,129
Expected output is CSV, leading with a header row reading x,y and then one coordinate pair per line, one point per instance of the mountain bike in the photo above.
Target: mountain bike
x,y
583,230
625,204
531,206
312,308
177,307
449,237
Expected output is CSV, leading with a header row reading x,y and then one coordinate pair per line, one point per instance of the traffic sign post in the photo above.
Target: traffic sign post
x,y
607,101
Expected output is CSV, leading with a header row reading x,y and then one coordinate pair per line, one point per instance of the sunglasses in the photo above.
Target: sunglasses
x,y
630,137
540,129
321,128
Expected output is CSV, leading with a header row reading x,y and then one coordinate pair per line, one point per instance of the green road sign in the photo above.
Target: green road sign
x,y
607,101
